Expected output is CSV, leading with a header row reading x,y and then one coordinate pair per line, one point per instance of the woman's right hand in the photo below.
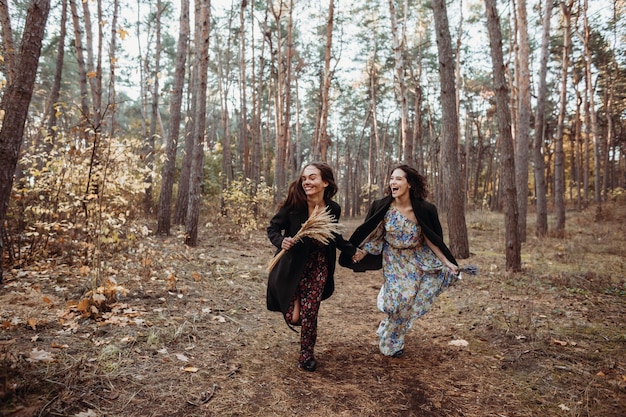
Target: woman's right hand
x,y
288,243
358,255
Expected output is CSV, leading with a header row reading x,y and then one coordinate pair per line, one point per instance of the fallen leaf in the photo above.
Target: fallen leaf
x,y
559,342
182,357
219,319
458,342
37,355
32,323
83,305
191,369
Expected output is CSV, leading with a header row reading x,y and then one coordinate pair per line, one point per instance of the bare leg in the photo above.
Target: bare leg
x,y
295,316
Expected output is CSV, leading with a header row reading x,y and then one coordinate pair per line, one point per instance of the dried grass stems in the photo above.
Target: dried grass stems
x,y
319,226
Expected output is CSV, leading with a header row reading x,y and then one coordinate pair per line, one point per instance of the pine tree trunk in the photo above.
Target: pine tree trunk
x,y
197,160
150,140
323,140
169,165
7,40
398,51
512,241
16,100
559,156
524,110
453,191
541,209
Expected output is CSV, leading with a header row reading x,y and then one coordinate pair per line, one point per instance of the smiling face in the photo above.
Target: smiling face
x,y
399,185
312,183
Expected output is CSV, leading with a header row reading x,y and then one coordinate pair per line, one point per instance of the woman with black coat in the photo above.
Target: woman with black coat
x,y
303,277
402,235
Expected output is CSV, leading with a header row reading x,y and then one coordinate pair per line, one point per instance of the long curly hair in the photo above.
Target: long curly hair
x,y
418,183
296,197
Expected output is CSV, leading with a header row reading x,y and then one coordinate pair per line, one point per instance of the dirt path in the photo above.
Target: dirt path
x,y
192,337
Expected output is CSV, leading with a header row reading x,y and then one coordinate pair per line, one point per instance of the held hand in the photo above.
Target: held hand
x,y
288,243
358,255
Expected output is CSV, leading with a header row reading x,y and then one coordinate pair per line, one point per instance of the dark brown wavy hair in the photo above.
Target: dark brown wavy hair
x,y
419,186
296,197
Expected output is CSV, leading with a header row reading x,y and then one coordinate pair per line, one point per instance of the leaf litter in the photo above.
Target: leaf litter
x,y
546,341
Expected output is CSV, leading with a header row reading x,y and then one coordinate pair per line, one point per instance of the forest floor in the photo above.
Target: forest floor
x,y
189,334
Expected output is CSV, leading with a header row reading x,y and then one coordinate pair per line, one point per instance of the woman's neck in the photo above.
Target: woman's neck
x,y
402,201
315,201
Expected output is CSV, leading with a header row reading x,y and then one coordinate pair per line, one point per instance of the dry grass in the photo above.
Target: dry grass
x,y
549,341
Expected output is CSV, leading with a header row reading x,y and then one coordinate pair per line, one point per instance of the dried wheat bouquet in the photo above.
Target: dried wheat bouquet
x,y
319,226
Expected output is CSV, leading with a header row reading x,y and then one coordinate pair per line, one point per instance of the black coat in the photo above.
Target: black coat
x,y
427,217
284,278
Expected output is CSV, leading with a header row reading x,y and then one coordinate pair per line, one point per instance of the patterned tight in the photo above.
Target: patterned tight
x,y
309,291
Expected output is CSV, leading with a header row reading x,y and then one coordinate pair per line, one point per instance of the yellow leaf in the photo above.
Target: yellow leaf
x,y
191,369
32,323
47,299
91,74
123,33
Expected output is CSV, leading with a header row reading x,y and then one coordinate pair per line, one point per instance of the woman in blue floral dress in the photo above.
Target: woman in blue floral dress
x,y
402,233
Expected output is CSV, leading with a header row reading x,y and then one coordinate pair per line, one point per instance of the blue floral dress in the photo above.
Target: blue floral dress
x,y
413,278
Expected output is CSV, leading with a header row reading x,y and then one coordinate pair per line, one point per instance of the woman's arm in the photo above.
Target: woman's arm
x,y
441,256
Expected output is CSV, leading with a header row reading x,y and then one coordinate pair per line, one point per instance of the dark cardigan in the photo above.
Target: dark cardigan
x,y
284,278
427,217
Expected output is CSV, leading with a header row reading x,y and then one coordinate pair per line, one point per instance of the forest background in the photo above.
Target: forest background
x,y
126,120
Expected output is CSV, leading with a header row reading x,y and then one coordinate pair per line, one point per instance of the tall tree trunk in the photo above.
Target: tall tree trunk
x,y
149,143
244,142
169,165
197,161
16,100
7,40
80,59
323,140
51,106
595,131
524,110
559,156
182,196
453,192
112,98
512,241
257,131
401,90
541,209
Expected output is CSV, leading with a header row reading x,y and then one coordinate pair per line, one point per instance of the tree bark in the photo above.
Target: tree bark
x,y
524,110
80,60
150,140
169,165
7,40
16,100
512,241
541,209
197,161
323,140
453,192
401,90
559,156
